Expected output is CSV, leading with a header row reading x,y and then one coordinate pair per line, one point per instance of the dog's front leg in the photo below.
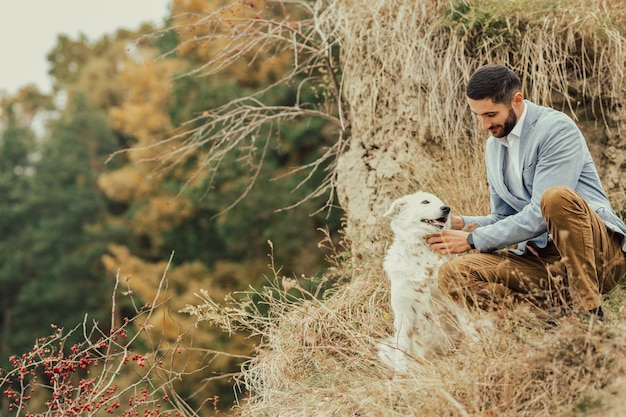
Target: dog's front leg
x,y
403,341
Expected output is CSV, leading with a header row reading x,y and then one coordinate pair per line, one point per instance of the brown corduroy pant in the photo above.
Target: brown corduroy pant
x,y
583,261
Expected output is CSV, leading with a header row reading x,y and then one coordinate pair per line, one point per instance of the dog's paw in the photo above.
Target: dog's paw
x,y
387,354
393,358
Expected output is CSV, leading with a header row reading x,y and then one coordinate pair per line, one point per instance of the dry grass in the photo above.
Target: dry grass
x,y
318,358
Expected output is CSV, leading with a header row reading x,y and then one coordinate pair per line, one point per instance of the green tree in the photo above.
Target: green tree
x,y
219,229
17,144
63,242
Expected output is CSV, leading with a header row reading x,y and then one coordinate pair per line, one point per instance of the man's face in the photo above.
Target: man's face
x,y
498,118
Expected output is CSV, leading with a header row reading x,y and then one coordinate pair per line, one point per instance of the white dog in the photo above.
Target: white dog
x,y
424,318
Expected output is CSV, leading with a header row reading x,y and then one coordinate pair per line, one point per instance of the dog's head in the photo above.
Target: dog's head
x,y
420,213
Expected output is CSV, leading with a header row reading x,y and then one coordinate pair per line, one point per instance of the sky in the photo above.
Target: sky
x,y
29,29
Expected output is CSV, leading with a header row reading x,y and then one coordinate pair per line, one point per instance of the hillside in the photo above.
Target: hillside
x,y
318,359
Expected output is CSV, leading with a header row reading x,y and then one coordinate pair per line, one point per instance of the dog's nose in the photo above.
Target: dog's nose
x,y
445,209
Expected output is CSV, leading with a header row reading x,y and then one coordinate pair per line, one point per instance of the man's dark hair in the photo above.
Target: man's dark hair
x,y
496,82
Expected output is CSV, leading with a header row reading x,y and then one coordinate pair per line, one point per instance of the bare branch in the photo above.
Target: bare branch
x,y
296,27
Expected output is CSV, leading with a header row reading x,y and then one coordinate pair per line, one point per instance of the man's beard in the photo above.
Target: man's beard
x,y
508,126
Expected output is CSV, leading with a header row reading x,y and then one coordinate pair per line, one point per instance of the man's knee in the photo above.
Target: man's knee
x,y
557,197
449,276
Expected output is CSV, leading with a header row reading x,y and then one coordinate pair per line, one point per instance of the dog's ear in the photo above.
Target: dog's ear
x,y
396,207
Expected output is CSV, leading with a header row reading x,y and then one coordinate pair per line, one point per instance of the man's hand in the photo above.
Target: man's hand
x,y
456,222
449,242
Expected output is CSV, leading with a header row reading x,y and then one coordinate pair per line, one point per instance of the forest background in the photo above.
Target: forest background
x,y
73,217
243,153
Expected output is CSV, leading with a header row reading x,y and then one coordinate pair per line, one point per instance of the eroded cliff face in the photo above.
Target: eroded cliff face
x,y
403,101
386,157
606,138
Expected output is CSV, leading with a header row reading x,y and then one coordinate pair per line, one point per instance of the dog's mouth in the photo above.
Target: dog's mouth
x,y
439,223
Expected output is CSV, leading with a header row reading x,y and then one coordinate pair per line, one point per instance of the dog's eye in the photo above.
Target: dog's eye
x,y
425,202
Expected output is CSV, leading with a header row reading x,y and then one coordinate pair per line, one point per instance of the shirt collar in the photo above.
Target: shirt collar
x,y
517,129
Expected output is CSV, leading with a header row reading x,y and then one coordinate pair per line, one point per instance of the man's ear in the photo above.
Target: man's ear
x,y
518,98
396,207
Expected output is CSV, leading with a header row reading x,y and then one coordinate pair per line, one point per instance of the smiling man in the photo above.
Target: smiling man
x,y
546,199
